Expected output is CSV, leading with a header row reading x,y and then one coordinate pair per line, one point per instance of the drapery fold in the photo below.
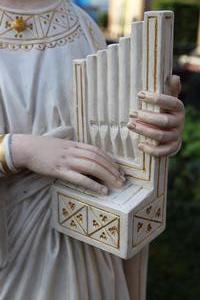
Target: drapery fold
x,y
3,233
17,193
36,261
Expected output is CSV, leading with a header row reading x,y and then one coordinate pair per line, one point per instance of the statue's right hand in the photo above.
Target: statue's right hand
x,y
70,161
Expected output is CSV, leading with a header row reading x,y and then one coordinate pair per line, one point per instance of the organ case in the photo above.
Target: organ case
x,y
106,85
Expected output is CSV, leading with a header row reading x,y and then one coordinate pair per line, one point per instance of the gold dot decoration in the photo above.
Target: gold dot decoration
x,y
148,211
158,213
72,205
19,25
95,224
113,230
73,224
103,236
149,228
139,227
103,218
80,218
65,212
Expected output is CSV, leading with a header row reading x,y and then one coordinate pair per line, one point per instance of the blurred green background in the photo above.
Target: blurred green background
x,y
186,19
174,265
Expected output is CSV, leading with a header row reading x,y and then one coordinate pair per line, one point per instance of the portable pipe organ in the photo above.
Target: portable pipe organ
x,y
105,91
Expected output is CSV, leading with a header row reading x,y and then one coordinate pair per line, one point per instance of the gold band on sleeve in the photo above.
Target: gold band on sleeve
x,y
2,156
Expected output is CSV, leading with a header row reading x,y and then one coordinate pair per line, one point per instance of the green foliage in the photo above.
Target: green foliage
x,y
157,4
175,256
102,20
192,134
186,22
185,168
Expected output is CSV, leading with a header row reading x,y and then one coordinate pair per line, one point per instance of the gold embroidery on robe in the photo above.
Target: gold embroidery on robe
x,y
49,28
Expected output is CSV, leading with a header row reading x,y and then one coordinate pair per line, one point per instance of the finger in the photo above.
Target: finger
x,y
165,102
84,181
174,83
161,150
162,136
91,168
96,150
95,157
163,120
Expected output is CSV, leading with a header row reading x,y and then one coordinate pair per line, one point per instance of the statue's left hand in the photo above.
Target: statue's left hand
x,y
166,127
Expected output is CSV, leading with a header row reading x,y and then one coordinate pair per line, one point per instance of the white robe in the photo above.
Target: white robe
x,y
38,263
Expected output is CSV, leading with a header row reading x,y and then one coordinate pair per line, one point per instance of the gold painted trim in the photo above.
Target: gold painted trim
x,y
82,104
58,31
88,206
3,156
155,52
77,67
135,216
162,196
148,235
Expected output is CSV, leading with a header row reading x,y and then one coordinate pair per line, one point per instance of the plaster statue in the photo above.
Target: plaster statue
x,y
39,41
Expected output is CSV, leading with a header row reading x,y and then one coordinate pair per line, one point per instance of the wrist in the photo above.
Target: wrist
x,y
20,149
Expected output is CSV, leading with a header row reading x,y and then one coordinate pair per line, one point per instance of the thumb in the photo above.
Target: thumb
x,y
174,85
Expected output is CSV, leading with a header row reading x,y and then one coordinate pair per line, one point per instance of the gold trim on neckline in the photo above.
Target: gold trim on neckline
x,y
47,29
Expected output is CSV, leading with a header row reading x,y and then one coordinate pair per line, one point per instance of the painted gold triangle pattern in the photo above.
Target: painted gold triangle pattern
x,y
47,29
95,223
148,220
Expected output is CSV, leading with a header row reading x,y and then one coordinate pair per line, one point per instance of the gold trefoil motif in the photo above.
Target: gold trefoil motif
x,y
19,25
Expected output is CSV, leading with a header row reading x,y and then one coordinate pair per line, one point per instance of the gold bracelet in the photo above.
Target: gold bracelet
x,y
2,156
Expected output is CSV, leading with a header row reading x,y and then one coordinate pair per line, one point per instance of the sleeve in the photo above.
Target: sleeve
x,y
3,229
6,168
92,32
